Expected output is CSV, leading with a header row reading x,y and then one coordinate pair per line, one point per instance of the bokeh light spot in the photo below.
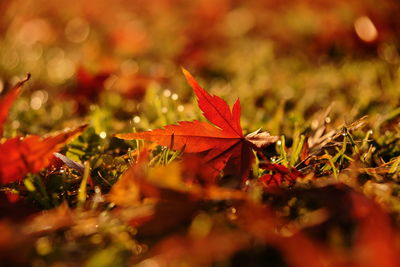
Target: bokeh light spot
x,y
365,29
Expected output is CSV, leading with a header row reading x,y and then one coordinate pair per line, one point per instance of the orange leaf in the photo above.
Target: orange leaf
x,y
216,110
199,251
375,243
221,146
297,250
20,156
8,100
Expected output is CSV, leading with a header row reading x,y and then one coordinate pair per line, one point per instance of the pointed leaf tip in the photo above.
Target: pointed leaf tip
x,y
215,109
191,80
7,101
186,73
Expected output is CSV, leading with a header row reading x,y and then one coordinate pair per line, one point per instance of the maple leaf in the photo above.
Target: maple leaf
x,y
279,174
220,145
20,156
7,101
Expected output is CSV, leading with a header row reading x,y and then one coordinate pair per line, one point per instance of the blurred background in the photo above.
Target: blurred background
x,y
296,57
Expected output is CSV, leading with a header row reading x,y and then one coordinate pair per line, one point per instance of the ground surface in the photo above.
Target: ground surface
x,y
323,77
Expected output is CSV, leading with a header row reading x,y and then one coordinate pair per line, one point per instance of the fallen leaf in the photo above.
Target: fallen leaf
x,y
7,101
279,174
143,204
219,146
126,191
298,250
261,139
145,196
20,156
50,221
375,242
198,251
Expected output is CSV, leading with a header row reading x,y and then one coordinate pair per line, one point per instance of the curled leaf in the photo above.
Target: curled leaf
x,y
69,162
261,139
20,156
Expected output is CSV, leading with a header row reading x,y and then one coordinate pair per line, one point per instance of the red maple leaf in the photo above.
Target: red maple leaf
x,y
20,156
279,175
220,145
7,101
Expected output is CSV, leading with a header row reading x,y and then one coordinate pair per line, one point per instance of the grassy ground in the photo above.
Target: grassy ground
x,y
332,97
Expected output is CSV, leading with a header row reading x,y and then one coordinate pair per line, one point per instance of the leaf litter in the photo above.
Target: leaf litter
x,y
323,193
182,212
